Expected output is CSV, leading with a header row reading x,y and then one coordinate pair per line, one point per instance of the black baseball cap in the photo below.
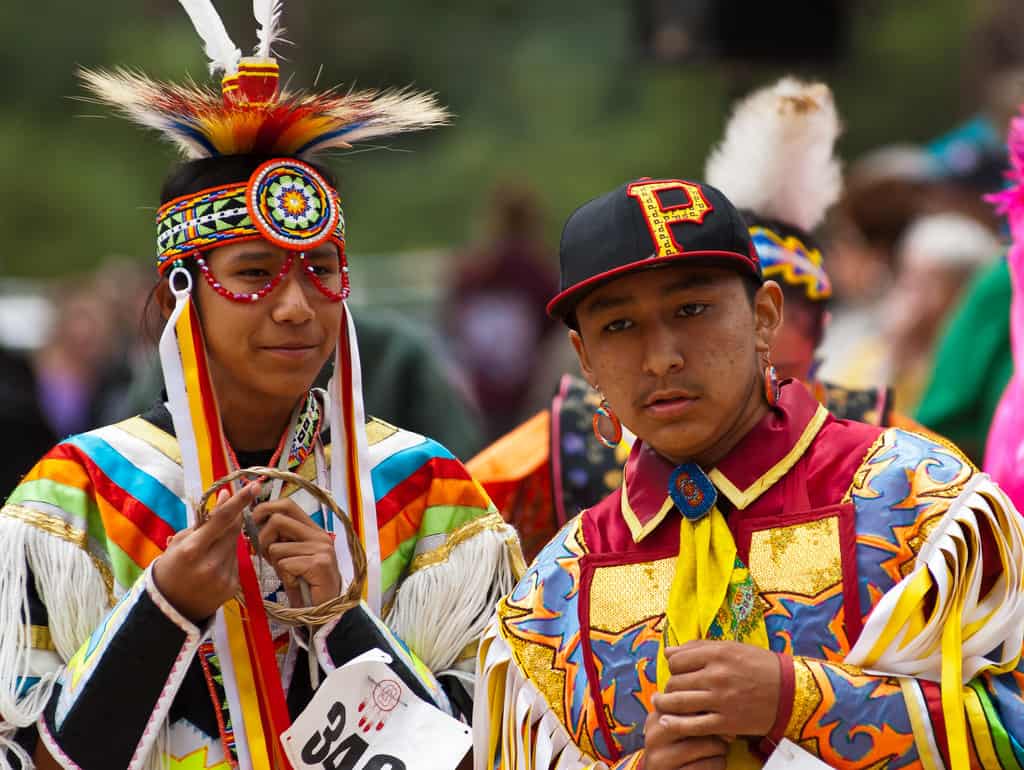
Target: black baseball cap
x,y
647,223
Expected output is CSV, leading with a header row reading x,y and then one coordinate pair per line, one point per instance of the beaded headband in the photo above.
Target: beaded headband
x,y
793,262
285,201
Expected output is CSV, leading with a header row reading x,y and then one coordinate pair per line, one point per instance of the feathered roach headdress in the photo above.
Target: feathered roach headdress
x,y
249,114
288,203
776,164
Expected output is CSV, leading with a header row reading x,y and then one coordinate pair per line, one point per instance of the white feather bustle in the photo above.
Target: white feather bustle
x,y
776,158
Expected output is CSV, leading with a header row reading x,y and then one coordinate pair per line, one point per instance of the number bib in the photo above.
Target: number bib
x,y
363,717
789,756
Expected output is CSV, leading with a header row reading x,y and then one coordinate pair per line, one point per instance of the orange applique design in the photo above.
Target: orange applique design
x,y
824,731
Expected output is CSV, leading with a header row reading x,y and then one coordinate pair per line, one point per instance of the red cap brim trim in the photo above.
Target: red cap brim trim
x,y
559,307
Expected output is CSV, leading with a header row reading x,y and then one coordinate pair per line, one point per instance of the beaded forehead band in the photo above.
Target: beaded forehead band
x,y
285,201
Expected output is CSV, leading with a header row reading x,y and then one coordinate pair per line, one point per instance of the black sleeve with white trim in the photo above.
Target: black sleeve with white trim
x,y
115,693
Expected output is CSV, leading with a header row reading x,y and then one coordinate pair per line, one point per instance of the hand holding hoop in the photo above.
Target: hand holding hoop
x,y
198,571
329,610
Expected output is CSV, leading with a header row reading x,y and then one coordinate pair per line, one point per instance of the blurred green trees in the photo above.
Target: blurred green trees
x,y
552,93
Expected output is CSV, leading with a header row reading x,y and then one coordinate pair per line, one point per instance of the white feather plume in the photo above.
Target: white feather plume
x,y
146,102
375,114
268,16
221,51
776,158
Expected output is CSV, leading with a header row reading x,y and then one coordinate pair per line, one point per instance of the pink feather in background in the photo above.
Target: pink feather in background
x,y
1004,453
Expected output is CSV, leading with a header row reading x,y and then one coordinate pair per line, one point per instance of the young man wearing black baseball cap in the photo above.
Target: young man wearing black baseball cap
x,y
761,557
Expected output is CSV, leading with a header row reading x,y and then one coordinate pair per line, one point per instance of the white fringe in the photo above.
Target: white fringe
x,y
530,735
76,599
440,609
993,624
161,750
15,647
71,587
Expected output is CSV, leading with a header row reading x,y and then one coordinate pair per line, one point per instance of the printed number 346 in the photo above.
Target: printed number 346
x,y
326,749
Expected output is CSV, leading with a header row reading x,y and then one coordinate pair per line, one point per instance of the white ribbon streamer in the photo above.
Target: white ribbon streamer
x,y
340,441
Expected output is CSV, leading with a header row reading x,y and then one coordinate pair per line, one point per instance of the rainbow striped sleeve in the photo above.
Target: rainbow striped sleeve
x,y
115,494
110,492
423,494
446,552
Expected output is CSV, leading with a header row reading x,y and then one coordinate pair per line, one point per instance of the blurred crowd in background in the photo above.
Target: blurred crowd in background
x,y
455,326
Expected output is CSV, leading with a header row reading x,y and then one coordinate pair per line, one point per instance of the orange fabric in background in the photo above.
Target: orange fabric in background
x,y
512,459
516,472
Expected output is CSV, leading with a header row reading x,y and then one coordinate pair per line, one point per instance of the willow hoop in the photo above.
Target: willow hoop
x,y
331,609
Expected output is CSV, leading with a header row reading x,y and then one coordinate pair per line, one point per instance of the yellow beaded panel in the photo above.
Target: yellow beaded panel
x,y
806,699
545,669
624,595
800,559
537,663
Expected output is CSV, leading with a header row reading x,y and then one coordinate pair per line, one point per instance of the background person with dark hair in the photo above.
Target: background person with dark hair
x,y
21,418
493,313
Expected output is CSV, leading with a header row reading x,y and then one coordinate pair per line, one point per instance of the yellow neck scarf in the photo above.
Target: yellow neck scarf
x,y
712,594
